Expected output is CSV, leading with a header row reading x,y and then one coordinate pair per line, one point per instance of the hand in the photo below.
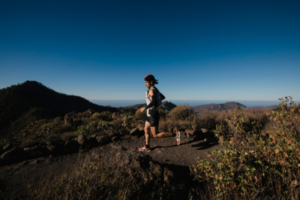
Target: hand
x,y
142,109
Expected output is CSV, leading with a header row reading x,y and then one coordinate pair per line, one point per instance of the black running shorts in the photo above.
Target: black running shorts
x,y
153,119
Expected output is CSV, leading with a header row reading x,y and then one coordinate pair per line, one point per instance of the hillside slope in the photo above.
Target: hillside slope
x,y
22,103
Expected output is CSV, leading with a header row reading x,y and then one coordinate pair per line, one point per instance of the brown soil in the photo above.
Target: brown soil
x,y
15,177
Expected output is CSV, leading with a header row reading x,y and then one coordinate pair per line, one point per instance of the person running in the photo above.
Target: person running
x,y
153,100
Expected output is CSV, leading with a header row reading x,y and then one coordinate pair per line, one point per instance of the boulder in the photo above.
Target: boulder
x,y
134,131
14,154
82,139
102,140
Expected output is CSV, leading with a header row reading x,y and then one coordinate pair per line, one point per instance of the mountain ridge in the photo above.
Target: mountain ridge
x,y
38,101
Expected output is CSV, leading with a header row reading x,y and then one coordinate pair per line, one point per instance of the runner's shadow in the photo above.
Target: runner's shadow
x,y
197,137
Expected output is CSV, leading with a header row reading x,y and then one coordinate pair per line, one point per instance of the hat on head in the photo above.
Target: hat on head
x,y
149,77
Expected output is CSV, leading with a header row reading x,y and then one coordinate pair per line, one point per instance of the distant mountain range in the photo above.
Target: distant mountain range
x,y
223,106
21,104
229,106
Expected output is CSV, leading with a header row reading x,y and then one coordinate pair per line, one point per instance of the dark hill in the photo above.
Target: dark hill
x,y
225,106
31,100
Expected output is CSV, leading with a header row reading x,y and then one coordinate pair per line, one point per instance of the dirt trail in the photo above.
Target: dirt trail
x,y
15,177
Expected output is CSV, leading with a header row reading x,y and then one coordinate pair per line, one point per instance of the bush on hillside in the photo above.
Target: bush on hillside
x,y
105,116
181,112
140,115
58,119
256,167
88,129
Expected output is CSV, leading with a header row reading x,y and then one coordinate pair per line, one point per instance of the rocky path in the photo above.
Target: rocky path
x,y
15,177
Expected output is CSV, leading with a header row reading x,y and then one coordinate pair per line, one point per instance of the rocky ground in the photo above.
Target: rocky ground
x,y
31,167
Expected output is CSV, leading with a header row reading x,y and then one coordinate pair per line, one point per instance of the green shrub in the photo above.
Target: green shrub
x,y
88,129
140,115
105,116
46,125
128,118
58,119
257,166
181,112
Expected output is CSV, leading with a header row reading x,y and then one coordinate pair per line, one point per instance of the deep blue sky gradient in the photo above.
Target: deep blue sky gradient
x,y
198,50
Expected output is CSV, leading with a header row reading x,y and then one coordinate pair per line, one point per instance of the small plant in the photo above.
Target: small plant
x,y
105,116
128,118
89,111
58,119
88,129
140,115
46,125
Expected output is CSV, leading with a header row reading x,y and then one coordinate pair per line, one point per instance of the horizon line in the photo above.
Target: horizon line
x,y
176,100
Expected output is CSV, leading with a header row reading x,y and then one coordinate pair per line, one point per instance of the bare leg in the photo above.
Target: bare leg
x,y
147,132
155,133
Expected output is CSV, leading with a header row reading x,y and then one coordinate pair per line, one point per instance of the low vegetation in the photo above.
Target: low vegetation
x,y
256,166
252,163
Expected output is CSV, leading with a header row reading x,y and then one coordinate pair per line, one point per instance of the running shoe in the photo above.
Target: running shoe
x,y
144,149
177,137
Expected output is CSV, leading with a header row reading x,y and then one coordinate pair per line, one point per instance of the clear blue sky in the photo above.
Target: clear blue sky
x,y
198,50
